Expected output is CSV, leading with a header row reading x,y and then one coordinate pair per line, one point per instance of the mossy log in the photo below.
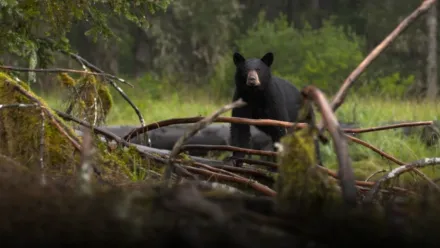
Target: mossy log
x,y
20,131
20,135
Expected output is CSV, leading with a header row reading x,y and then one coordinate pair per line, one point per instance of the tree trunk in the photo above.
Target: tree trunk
x,y
431,68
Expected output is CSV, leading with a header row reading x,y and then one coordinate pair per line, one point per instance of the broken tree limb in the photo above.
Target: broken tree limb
x,y
342,93
262,122
345,172
198,126
398,171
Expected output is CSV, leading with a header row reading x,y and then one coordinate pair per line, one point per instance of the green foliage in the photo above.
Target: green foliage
x,y
27,25
323,57
394,86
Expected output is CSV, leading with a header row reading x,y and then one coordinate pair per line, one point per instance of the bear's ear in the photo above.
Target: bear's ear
x,y
268,59
238,59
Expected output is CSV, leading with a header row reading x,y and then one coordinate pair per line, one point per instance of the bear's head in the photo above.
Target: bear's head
x,y
253,73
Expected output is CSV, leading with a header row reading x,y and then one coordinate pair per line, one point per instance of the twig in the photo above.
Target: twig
x,y
197,127
117,88
53,70
388,156
228,148
63,130
341,94
255,185
345,172
259,122
375,173
42,134
18,105
399,170
361,183
85,63
257,162
227,169
372,129
375,149
85,170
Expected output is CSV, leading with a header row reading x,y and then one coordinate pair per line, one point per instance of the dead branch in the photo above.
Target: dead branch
x,y
228,168
341,94
373,129
375,173
18,105
363,183
228,148
53,70
375,149
63,130
388,156
257,162
259,122
211,171
85,63
255,185
42,134
398,171
85,169
345,172
197,127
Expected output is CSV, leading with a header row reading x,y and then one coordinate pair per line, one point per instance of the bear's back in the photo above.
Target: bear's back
x,y
291,96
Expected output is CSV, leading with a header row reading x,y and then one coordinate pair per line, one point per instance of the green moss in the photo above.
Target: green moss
x,y
20,131
300,184
90,98
124,163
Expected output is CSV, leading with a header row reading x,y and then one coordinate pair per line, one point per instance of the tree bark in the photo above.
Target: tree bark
x,y
431,68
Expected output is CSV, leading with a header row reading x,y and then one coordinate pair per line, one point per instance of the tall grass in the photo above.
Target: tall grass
x,y
367,111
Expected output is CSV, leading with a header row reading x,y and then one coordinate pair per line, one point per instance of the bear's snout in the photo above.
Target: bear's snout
x,y
252,78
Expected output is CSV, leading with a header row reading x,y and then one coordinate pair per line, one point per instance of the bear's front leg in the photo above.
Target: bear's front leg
x,y
240,134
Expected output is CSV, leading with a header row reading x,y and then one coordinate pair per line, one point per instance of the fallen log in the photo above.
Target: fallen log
x,y
214,134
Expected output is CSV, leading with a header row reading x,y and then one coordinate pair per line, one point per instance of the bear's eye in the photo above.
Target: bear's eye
x,y
258,69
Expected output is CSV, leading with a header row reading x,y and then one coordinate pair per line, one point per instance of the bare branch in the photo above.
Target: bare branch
x,y
395,160
228,148
345,171
341,94
259,122
375,173
197,127
398,171
85,169
375,149
42,134
18,105
53,70
373,129
255,185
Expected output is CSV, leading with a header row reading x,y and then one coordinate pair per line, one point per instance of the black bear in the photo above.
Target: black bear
x,y
267,97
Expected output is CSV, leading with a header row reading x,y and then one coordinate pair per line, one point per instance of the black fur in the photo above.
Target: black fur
x,y
275,98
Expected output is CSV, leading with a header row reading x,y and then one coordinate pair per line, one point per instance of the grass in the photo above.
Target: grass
x,y
367,111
